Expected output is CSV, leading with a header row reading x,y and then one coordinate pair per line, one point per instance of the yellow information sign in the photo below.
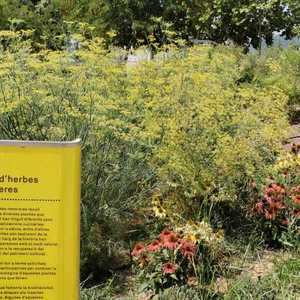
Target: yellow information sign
x,y
39,220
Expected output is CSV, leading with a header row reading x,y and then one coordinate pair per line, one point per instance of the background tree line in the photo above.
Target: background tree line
x,y
139,22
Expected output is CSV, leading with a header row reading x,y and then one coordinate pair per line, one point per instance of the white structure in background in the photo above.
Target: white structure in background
x,y
138,55
72,45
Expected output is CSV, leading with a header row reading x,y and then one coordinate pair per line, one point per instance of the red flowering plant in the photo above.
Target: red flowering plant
x,y
166,261
277,202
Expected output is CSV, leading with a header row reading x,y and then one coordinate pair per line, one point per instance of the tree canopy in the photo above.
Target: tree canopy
x,y
136,22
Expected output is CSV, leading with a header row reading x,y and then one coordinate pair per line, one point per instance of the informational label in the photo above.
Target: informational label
x,y
39,220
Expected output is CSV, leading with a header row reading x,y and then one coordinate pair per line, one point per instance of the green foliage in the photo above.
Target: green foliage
x,y
279,202
180,127
169,261
41,17
103,292
276,68
49,97
209,155
135,22
243,22
283,283
186,293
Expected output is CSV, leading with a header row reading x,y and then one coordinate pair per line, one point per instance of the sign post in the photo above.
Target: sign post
x,y
39,220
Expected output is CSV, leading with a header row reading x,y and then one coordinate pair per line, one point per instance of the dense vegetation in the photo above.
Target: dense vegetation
x,y
190,141
135,22
186,185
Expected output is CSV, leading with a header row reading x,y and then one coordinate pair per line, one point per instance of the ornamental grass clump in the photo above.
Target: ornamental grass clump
x,y
169,260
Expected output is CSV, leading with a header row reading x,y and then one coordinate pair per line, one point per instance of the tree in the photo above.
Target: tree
x,y
245,22
137,22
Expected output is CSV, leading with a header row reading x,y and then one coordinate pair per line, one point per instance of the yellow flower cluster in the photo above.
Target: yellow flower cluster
x,y
273,65
158,208
183,119
287,161
200,231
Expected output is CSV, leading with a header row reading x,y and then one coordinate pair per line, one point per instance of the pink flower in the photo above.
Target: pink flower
x,y
165,234
154,246
138,249
171,242
296,199
169,268
188,249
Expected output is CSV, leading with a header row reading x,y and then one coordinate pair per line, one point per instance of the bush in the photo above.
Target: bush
x,y
212,136
172,260
53,96
278,203
167,261
180,128
276,68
